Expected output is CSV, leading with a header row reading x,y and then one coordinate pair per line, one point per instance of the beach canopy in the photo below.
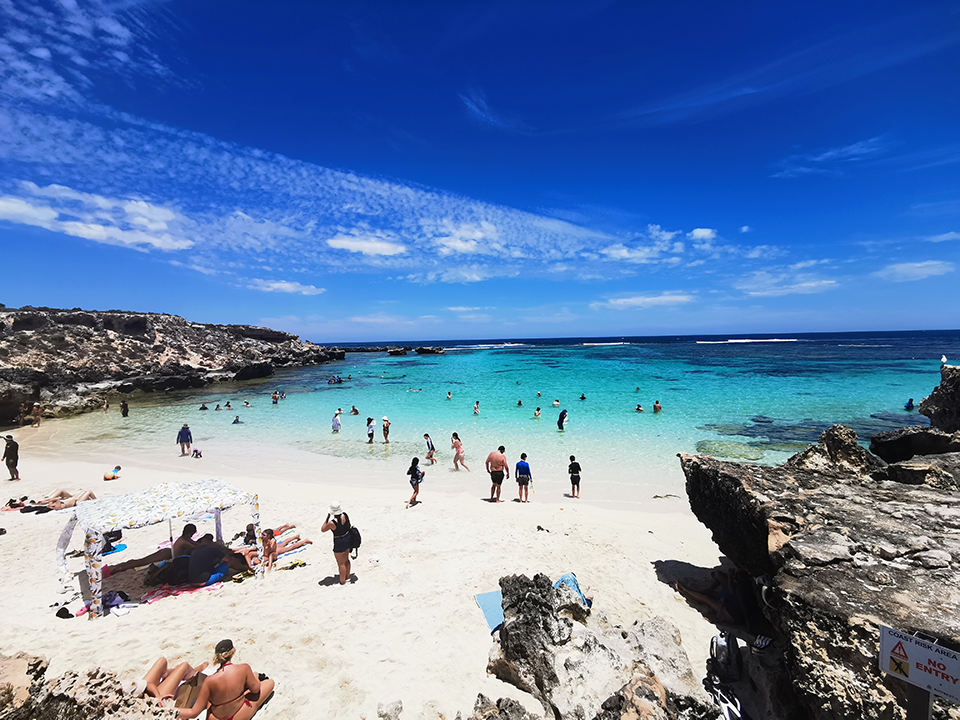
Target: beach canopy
x,y
164,502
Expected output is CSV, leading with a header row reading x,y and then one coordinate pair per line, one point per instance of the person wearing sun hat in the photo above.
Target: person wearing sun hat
x,y
386,430
233,692
184,437
338,522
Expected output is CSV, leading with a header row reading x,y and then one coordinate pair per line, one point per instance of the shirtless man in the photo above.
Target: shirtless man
x,y
233,692
496,465
183,545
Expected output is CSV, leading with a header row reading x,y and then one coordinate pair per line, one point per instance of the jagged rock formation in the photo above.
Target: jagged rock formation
x,y
430,351
847,542
69,360
95,695
579,666
941,405
905,443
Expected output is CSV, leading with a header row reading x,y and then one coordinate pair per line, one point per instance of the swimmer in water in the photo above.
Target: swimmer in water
x,y
556,403
476,408
909,405
639,407
536,413
656,406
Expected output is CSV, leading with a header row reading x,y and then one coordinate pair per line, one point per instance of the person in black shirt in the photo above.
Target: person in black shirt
x,y
574,470
339,522
11,456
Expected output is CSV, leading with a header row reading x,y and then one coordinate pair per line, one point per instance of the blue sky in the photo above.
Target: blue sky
x,y
391,171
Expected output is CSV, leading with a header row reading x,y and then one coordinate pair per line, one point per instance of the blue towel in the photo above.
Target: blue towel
x,y
491,605
116,548
571,580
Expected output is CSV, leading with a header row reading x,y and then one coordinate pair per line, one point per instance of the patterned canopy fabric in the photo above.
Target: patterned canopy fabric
x,y
167,501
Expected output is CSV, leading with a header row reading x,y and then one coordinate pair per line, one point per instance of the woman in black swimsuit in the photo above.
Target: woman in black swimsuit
x,y
339,522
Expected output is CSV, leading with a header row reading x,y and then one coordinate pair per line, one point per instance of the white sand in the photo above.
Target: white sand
x,y
408,629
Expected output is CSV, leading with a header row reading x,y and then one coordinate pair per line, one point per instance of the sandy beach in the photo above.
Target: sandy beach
x,y
408,628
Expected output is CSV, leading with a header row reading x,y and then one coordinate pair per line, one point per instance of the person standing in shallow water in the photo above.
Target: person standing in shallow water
x,y
124,408
184,437
335,424
386,430
430,449
371,427
458,453
656,407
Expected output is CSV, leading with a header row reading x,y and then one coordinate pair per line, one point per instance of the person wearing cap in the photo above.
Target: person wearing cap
x,y
11,456
184,437
386,430
233,692
338,522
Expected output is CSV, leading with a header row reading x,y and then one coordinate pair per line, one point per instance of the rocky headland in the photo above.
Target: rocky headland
x,y
69,361
841,541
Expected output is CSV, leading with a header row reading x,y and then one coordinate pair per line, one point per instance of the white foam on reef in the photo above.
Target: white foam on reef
x,y
736,341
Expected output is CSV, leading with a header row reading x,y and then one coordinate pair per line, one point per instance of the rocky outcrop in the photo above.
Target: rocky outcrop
x,y
845,542
430,351
26,694
942,406
908,442
70,360
579,666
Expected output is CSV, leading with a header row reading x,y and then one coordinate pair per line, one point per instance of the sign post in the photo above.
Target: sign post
x,y
925,666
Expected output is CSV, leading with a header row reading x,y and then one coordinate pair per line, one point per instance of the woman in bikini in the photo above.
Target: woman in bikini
x,y
457,452
233,692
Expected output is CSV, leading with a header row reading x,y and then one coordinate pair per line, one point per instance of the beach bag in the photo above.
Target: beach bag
x,y
726,661
355,540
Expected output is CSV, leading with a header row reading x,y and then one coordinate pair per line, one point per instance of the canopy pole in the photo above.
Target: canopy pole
x,y
255,513
93,554
66,579
173,555
219,526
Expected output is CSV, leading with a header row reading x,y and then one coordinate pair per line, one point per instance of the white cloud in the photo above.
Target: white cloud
x,y
642,302
462,309
768,284
944,237
284,286
806,264
832,161
744,228
702,234
366,244
905,272
655,232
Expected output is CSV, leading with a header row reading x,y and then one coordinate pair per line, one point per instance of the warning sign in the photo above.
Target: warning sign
x,y
920,663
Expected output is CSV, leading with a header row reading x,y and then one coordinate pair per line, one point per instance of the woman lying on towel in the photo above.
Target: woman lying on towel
x,y
272,547
162,681
63,499
233,692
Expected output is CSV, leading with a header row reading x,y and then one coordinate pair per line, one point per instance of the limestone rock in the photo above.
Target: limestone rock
x,y
942,406
71,360
580,669
390,711
905,443
924,470
502,709
843,547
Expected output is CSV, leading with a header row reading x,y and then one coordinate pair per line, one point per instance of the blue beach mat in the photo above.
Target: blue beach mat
x,y
571,580
491,605
116,548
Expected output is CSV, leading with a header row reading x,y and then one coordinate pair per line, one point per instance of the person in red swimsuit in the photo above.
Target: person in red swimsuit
x,y
233,692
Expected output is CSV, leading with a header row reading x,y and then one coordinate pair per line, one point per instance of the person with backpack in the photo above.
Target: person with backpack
x,y
416,477
338,522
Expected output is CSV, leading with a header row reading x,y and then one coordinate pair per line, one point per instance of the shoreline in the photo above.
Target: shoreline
x,y
383,638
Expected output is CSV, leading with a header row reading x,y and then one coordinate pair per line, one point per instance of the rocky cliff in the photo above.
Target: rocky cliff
x,y
70,360
846,542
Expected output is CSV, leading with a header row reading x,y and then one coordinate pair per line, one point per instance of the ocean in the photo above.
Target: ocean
x,y
743,397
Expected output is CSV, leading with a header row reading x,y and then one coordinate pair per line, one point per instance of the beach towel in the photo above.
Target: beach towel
x,y
571,580
491,605
165,591
115,549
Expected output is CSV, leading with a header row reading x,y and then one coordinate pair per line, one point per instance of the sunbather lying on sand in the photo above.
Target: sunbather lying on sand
x,y
63,499
162,681
233,692
272,548
181,546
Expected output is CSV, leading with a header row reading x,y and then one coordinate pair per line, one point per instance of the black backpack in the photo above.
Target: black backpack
x,y
355,539
726,661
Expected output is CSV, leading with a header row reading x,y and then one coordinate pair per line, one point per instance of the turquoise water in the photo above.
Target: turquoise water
x,y
761,399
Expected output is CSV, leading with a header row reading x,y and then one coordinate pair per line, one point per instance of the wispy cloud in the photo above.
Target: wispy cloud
x,y
475,101
831,62
284,286
831,161
643,302
944,237
906,272
744,228
777,284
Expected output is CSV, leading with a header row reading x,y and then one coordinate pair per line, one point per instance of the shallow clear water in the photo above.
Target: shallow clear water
x,y
760,399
